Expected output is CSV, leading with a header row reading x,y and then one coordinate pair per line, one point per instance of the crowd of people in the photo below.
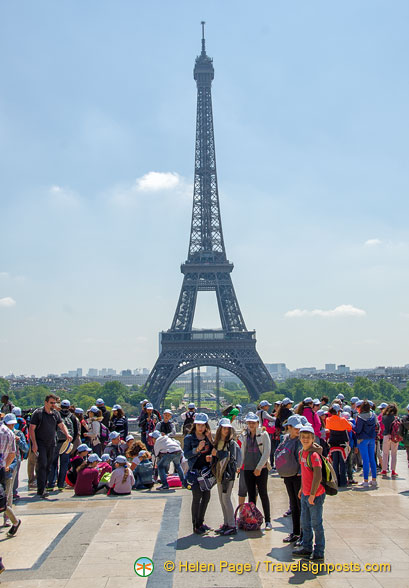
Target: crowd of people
x,y
310,446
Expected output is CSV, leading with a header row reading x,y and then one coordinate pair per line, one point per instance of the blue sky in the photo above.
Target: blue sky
x,y
97,115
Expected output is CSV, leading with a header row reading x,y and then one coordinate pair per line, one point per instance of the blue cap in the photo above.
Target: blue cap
x,y
307,400
303,419
105,457
191,405
201,418
10,419
264,403
225,422
121,459
251,418
155,434
113,435
117,407
99,401
340,396
65,403
93,458
307,429
94,409
287,401
293,421
354,399
83,447
79,410
149,406
17,411
142,453
336,407
316,401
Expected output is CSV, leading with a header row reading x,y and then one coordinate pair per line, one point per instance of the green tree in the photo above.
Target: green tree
x,y
4,387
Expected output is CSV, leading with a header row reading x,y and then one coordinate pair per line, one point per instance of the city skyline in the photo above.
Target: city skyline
x,y
311,125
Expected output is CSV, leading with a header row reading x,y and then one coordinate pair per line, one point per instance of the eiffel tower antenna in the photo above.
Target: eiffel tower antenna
x,y
207,268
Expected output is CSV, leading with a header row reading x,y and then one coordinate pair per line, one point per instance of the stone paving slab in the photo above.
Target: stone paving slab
x,y
67,541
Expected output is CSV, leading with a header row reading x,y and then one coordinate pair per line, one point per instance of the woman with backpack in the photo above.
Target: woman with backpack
x,y
288,467
255,448
119,422
338,441
226,461
93,433
198,445
365,430
391,438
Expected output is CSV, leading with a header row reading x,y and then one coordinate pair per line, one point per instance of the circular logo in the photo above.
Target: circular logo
x,y
143,567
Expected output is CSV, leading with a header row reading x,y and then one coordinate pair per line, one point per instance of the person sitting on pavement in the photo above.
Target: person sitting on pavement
x,y
119,422
132,454
104,466
87,476
122,480
114,447
166,427
128,443
76,460
167,451
143,472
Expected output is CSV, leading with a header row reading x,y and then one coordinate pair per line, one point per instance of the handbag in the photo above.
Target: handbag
x,y
206,479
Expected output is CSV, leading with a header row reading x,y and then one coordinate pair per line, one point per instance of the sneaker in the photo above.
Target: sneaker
x,y
364,485
384,473
291,538
394,474
16,496
287,513
200,530
317,557
298,543
44,494
352,482
14,529
163,487
374,483
206,527
301,552
2,568
221,529
268,527
230,531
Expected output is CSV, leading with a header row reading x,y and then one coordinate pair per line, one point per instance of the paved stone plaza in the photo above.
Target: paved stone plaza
x,y
66,542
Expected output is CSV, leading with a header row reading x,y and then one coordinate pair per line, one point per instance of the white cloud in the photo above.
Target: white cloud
x,y
4,275
372,242
7,302
63,197
343,310
405,314
170,183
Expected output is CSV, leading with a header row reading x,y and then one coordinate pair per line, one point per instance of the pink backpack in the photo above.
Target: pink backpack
x,y
174,481
250,518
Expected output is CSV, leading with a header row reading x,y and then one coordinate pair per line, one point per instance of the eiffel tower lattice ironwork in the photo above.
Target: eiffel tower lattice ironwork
x,y
232,347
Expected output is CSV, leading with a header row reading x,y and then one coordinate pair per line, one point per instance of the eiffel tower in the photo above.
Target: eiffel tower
x,y
207,268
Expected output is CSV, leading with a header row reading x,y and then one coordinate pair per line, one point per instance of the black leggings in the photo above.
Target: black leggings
x,y
200,500
293,485
259,482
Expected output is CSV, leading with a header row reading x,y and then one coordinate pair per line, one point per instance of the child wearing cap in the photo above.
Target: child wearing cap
x,y
104,466
365,430
118,421
389,445
255,447
198,445
76,460
87,476
288,467
93,433
226,461
143,472
305,408
268,421
188,417
166,426
122,479
283,412
312,496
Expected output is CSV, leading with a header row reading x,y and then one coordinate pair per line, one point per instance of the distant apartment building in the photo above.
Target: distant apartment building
x,y
278,371
343,369
330,368
92,372
306,371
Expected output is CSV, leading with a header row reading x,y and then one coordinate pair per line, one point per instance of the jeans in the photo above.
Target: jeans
x,y
64,461
293,485
311,520
163,466
200,500
44,463
339,467
259,482
367,449
387,446
8,489
226,504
